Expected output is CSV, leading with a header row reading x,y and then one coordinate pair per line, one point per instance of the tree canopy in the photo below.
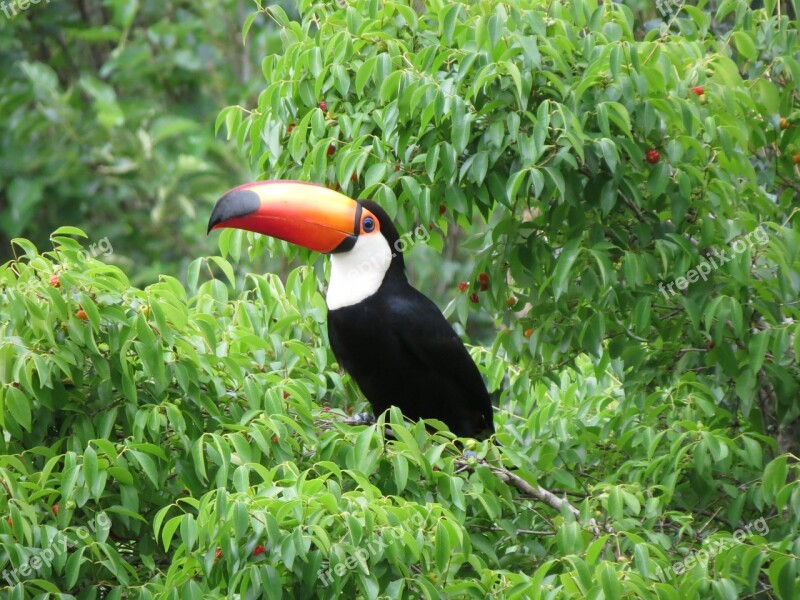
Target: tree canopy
x,y
603,198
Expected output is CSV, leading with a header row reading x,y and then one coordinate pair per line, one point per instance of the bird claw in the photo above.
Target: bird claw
x,y
468,454
363,418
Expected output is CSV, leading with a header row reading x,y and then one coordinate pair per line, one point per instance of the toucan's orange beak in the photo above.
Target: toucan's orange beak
x,y
305,214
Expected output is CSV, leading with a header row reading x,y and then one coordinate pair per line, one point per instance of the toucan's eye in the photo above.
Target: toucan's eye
x,y
368,224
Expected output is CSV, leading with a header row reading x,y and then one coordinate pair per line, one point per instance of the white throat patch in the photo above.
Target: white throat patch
x,y
357,274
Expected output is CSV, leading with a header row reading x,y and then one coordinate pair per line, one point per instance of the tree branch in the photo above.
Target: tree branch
x,y
537,492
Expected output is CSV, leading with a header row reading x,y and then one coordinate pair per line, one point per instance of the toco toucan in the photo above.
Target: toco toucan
x,y
391,338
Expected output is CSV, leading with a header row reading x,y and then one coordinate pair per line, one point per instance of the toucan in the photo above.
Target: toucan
x,y
391,338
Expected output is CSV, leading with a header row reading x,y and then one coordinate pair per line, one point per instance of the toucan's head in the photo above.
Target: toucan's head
x,y
358,234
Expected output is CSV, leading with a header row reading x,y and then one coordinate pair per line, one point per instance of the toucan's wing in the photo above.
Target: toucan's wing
x,y
437,349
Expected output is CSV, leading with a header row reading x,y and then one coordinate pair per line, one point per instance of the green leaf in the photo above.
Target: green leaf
x,y
90,472
774,477
744,44
248,22
73,566
757,350
365,73
461,126
641,315
226,268
148,465
443,547
68,230
609,581
400,465
569,253
19,407
390,86
447,18
169,530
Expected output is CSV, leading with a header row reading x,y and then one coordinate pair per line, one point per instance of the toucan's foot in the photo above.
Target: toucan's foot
x,y
363,418
470,454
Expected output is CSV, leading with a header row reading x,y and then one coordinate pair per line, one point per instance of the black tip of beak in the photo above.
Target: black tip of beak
x,y
236,203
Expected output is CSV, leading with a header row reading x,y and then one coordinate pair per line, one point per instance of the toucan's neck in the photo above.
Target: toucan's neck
x,y
359,273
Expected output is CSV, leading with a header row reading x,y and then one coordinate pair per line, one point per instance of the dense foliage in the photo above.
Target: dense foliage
x,y
629,192
107,122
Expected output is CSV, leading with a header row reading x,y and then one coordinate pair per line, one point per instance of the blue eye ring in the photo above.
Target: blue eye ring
x,y
368,224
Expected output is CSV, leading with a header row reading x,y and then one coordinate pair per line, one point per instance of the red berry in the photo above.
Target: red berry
x,y
483,281
528,333
473,297
259,550
436,469
442,209
54,280
55,509
698,89
81,314
711,345
397,167
652,156
463,286
326,408
290,129
331,150
511,301
217,553
354,177
10,522
323,105
285,395
275,439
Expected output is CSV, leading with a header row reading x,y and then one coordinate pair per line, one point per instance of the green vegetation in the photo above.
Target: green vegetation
x,y
107,123
185,439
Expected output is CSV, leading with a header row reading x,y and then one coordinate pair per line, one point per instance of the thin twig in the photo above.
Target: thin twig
x,y
711,518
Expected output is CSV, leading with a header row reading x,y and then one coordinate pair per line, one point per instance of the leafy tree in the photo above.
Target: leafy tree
x,y
107,122
195,432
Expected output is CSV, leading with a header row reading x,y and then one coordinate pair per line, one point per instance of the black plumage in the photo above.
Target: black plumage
x,y
401,351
